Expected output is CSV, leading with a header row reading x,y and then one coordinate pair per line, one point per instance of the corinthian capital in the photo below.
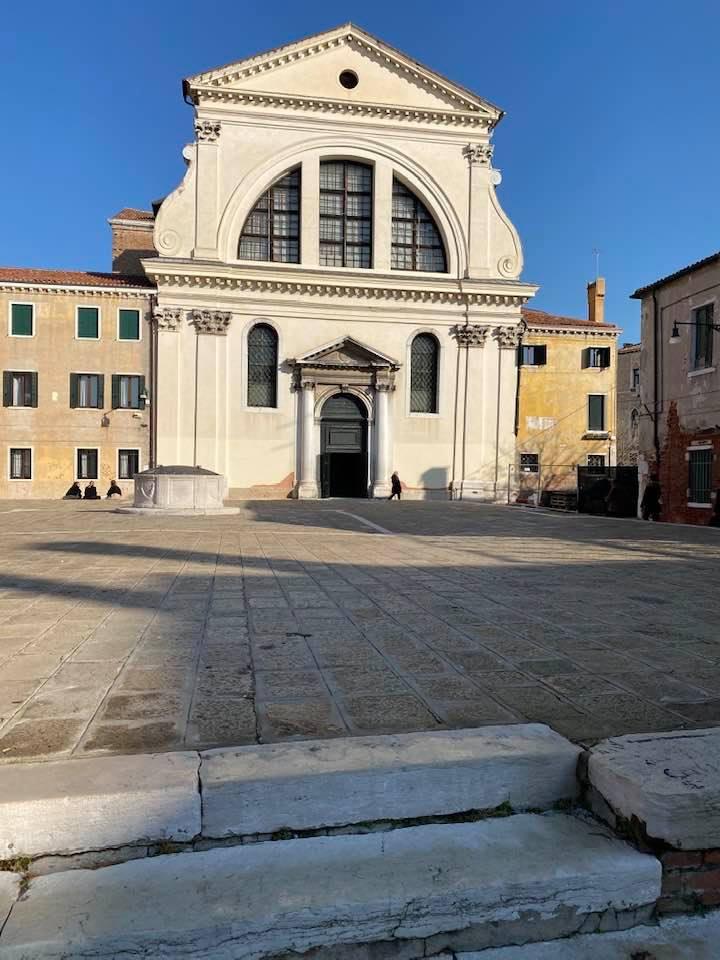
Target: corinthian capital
x,y
210,321
167,318
480,153
470,334
207,131
508,336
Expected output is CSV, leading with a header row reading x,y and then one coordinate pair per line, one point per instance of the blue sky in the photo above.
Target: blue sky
x,y
611,139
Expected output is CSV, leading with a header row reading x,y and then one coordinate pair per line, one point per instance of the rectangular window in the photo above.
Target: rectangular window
x,y
596,412
22,319
87,390
699,475
128,392
87,464
703,346
635,383
128,464
88,323
19,389
533,356
596,460
128,325
529,462
20,463
596,357
345,214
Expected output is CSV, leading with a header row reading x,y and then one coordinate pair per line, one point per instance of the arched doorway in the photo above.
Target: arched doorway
x,y
343,447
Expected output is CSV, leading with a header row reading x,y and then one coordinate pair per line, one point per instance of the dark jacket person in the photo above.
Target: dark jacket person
x,y
113,490
74,493
395,486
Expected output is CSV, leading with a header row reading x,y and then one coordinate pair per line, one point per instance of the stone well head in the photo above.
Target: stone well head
x,y
179,488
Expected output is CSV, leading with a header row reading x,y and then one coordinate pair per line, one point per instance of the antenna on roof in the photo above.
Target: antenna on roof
x,y
596,254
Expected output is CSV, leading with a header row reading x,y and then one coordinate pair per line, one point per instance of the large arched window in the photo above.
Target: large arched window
x,y
424,355
416,240
345,214
262,347
272,229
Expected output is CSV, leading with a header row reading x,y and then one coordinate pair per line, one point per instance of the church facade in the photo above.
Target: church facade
x,y
338,287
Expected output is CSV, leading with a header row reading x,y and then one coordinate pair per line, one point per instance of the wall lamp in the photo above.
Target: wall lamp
x,y
675,335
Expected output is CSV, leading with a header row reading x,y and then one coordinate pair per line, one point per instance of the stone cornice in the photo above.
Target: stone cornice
x,y
214,95
583,331
504,294
364,43
18,286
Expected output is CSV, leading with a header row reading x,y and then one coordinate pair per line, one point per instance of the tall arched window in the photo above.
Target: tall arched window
x,y
272,229
262,347
424,354
634,424
416,240
345,214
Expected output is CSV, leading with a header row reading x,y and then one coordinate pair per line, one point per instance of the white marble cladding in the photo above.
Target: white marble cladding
x,y
179,491
255,121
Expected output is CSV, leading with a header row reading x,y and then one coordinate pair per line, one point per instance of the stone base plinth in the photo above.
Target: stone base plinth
x,y
179,491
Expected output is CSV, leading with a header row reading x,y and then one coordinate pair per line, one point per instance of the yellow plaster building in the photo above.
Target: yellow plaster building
x,y
75,368
566,398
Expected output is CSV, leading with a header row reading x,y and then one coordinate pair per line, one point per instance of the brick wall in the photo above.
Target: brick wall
x,y
673,473
691,880
130,243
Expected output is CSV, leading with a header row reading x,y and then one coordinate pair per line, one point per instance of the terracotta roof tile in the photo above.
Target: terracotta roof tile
x,y
539,318
130,213
70,278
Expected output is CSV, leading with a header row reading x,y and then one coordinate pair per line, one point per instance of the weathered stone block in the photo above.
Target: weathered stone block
x,y
72,806
264,899
9,886
307,785
670,782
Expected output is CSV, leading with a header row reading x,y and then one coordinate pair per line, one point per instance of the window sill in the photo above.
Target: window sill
x,y
700,506
22,336
248,409
416,415
701,371
596,435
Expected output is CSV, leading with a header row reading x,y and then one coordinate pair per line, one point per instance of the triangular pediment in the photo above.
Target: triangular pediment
x,y
311,68
346,352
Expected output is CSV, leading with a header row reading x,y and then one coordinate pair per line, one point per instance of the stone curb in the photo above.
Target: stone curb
x,y
271,898
75,806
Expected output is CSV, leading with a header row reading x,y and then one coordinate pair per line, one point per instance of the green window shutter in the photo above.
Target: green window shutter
x,y
129,325
73,390
21,320
141,391
88,323
7,388
33,389
115,391
596,412
586,358
101,391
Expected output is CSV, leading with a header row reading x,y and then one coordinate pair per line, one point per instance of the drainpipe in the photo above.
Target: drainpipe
x,y
656,378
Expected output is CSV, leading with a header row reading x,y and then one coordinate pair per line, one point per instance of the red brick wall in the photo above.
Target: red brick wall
x,y
673,472
691,880
129,246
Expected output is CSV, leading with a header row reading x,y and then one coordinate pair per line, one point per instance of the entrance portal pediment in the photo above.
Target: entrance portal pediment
x,y
346,353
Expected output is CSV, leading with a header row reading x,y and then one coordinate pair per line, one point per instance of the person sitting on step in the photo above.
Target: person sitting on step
x,y
91,492
74,493
113,490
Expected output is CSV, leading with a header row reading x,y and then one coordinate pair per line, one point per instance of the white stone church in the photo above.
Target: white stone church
x,y
338,290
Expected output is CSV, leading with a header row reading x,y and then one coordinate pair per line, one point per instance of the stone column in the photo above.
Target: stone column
x,y
307,488
383,441
211,328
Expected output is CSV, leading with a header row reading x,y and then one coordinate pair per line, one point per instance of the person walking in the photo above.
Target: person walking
x,y
650,503
395,486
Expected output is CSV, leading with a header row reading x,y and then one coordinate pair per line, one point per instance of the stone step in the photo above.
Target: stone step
x,y
680,938
667,782
67,807
422,889
315,784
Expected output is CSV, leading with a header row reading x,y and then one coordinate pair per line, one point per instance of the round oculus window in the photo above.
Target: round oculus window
x,y
348,79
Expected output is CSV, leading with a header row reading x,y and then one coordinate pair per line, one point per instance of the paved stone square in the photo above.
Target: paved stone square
x,y
321,619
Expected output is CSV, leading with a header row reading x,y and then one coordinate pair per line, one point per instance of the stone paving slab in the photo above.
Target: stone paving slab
x,y
294,620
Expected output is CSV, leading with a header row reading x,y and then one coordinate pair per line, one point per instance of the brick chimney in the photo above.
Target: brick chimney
x,y
132,240
596,300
